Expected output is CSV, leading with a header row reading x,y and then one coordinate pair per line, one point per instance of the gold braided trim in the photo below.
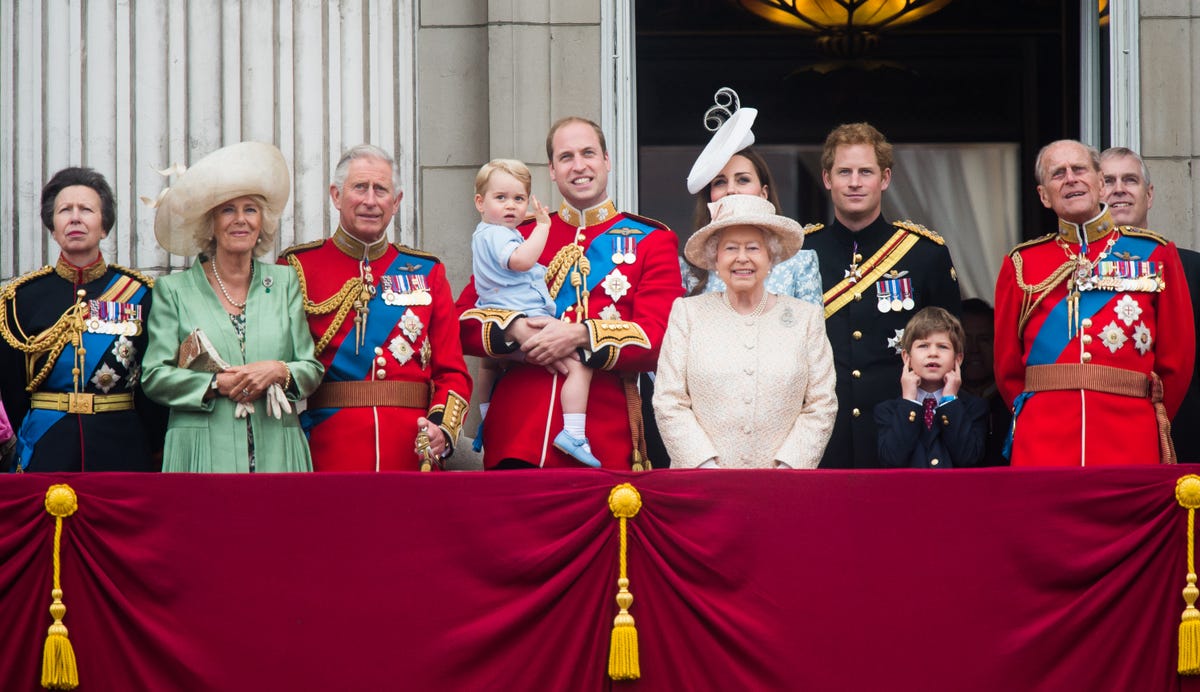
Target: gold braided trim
x,y
135,274
8,294
920,230
311,245
560,267
1143,233
616,334
1031,243
1028,302
812,228
68,329
454,413
892,252
406,250
497,316
341,301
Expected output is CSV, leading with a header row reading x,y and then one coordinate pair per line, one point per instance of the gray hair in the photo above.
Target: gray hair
x,y
774,247
1093,153
368,151
1119,152
206,237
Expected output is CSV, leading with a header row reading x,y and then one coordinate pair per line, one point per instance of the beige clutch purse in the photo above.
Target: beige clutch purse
x,y
197,353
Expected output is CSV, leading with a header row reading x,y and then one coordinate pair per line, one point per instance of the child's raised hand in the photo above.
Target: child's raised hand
x,y
952,382
910,382
541,213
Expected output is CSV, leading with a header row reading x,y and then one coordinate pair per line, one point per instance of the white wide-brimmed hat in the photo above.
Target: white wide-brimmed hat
x,y
744,210
733,135
238,170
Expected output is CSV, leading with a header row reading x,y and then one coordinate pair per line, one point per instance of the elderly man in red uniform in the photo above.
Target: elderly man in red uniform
x,y
613,277
383,319
1094,348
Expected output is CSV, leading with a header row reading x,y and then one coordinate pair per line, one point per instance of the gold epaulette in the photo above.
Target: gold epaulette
x,y
1031,243
146,279
9,289
920,230
311,245
812,228
413,251
648,221
1144,233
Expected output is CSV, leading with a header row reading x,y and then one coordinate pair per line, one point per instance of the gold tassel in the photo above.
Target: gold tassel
x,y
424,449
59,671
1187,494
624,501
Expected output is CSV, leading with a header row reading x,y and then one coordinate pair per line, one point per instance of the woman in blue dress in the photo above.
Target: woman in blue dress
x,y
730,166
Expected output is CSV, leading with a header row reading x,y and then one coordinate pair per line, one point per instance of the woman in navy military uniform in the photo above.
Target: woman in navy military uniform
x,y
73,336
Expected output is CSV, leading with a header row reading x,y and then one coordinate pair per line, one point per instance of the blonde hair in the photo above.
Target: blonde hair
x,y
512,167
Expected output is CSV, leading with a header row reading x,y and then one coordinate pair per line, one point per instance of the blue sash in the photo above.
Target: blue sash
x,y
599,255
1052,339
38,420
348,366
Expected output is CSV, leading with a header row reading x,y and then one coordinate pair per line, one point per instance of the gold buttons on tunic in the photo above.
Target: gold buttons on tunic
x,y
912,416
378,351
381,373
857,335
1086,357
1087,322
933,462
856,413
1086,338
381,361
856,374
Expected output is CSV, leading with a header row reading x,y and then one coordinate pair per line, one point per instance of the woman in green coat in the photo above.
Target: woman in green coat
x,y
240,419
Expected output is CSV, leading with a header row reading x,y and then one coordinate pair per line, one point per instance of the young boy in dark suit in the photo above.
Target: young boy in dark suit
x,y
933,424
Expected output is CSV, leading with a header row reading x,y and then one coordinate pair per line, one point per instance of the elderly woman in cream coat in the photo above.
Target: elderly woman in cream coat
x,y
745,377
226,208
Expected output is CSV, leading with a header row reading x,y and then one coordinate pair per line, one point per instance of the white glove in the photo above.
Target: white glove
x,y
277,403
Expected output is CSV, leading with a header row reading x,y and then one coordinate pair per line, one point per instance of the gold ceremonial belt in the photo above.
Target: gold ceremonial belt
x,y
362,394
82,403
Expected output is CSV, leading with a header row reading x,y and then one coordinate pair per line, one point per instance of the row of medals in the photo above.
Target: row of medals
x,y
1086,280
130,328
895,305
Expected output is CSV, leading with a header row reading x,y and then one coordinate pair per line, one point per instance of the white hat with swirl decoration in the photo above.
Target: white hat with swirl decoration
x,y
732,124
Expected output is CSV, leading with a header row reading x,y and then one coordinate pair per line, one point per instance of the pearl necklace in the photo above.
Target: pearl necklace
x,y
221,285
758,309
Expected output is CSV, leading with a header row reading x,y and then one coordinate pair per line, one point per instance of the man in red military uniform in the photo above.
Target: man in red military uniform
x,y
385,328
1081,353
613,276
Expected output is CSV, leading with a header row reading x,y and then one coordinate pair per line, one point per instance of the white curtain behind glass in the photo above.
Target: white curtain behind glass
x,y
968,194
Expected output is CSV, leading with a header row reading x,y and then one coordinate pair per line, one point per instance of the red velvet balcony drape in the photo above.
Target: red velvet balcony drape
x,y
996,579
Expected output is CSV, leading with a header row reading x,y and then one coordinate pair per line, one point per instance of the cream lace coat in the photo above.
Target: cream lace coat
x,y
753,392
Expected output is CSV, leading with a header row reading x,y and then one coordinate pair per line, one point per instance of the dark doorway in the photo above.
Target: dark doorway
x,y
975,71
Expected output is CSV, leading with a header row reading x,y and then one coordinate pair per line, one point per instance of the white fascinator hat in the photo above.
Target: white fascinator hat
x,y
732,124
